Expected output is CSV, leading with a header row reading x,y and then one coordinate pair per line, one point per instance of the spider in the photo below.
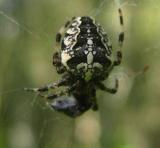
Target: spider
x,y
84,59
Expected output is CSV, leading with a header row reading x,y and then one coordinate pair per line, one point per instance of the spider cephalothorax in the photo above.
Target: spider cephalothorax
x,y
85,59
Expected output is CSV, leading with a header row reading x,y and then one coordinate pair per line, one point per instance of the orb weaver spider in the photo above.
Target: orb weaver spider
x,y
84,59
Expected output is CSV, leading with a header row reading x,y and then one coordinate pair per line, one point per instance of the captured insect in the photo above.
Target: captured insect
x,y
84,59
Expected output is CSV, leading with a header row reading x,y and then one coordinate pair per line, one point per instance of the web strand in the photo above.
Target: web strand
x,y
11,91
98,10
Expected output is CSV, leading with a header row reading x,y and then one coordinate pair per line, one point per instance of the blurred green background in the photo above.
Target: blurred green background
x,y
129,119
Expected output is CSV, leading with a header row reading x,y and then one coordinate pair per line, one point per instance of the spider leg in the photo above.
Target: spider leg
x,y
53,96
62,82
50,96
57,63
120,39
110,90
49,86
61,93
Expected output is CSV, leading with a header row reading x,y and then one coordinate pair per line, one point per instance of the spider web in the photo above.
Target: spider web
x,y
27,48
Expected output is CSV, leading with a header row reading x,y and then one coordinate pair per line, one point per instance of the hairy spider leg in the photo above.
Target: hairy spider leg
x,y
101,86
54,85
118,56
45,88
61,93
120,39
57,63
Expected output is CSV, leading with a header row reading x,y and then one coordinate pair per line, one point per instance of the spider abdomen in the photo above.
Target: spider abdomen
x,y
85,48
